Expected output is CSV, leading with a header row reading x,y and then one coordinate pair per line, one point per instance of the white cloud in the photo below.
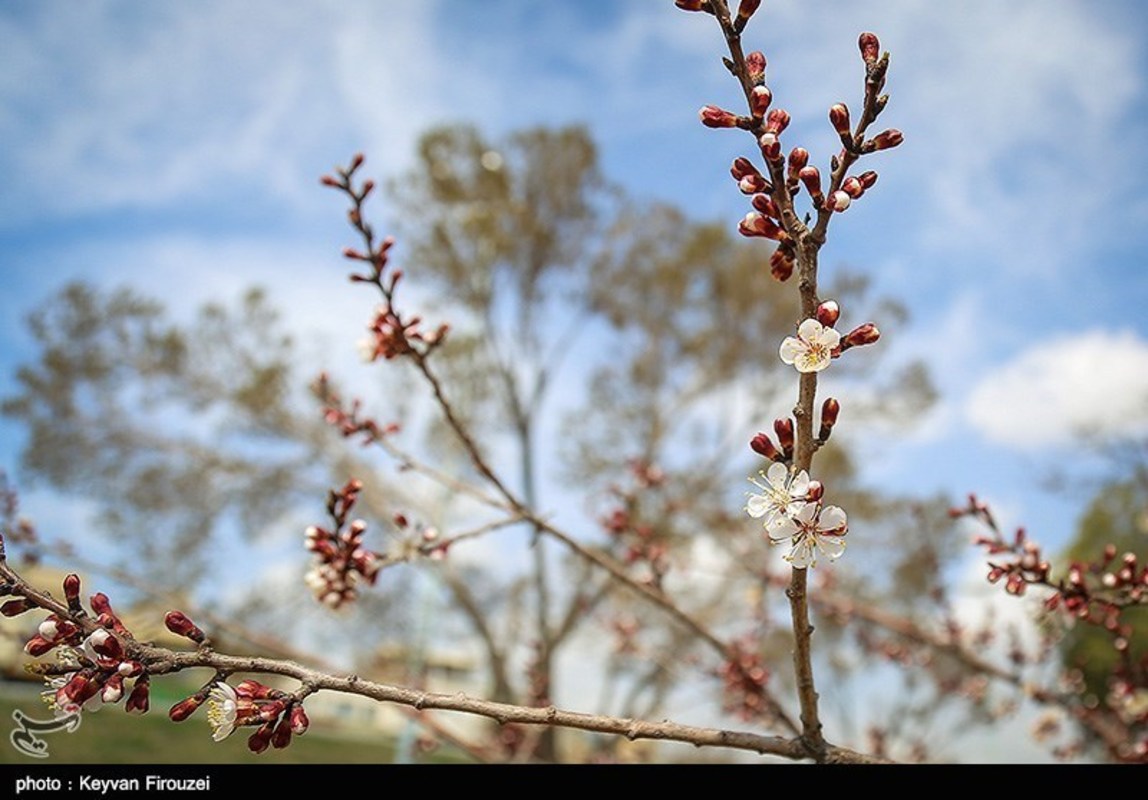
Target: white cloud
x,y
1090,383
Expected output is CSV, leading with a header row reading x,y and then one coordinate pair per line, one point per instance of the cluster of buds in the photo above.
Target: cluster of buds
x,y
744,678
390,336
772,198
341,562
640,541
277,714
348,420
95,660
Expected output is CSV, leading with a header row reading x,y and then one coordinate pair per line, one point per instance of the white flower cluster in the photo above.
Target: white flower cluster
x,y
790,514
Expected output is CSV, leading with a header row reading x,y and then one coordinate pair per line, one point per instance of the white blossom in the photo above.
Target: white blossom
x,y
812,349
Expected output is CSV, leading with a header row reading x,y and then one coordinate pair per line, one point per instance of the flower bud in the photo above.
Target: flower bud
x,y
138,699
764,203
299,721
828,313
259,741
784,430
815,491
870,46
38,646
746,9
757,224
282,734
754,184
884,140
759,100
72,591
714,117
763,446
254,690
798,158
839,201
852,187
867,179
691,5
770,146
811,177
839,118
777,121
861,335
755,66
829,411
781,263
185,708
113,690
178,623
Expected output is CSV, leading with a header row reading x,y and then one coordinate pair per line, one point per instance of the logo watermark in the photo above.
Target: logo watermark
x,y
23,737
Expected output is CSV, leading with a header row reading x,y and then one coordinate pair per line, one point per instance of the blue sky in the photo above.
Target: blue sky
x,y
176,147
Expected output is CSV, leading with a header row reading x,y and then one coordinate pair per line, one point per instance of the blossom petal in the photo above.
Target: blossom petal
x,y
757,505
802,556
810,330
800,485
831,546
833,520
791,350
783,530
777,475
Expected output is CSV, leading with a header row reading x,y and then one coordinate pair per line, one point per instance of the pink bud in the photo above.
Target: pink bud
x,y
754,184
811,177
798,158
839,117
852,187
861,335
777,121
839,201
884,140
759,100
816,491
828,313
714,117
870,46
757,224
755,66
770,145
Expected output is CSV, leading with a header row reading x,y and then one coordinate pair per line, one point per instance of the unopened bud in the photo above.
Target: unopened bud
x,y
839,118
867,179
777,121
755,66
763,446
781,263
113,690
746,9
178,623
16,607
759,100
138,699
259,741
770,146
38,646
884,140
692,5
861,335
798,158
714,117
828,313
829,411
811,177
72,591
870,47
852,187
783,428
281,737
299,721
185,708
815,491
757,224
764,203
839,201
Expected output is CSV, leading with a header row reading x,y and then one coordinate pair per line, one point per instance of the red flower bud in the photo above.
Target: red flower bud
x,y
798,158
816,491
829,411
884,140
755,66
299,721
714,117
839,201
828,313
839,118
784,430
185,708
759,100
38,646
861,335
259,740
178,623
870,46
867,179
757,224
852,187
777,121
781,263
16,607
763,446
811,177
691,5
72,590
764,203
138,699
746,9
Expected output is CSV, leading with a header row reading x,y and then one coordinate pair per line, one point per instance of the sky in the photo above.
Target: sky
x,y
176,148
